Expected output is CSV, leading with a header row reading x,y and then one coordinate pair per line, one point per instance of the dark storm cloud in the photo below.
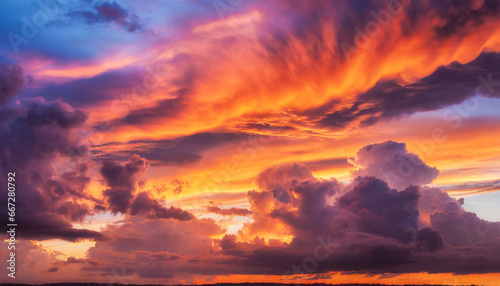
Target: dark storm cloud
x,y
54,113
365,227
180,151
313,213
118,199
428,239
11,80
36,134
370,229
448,85
370,207
377,209
41,129
110,12
121,180
41,226
143,204
117,175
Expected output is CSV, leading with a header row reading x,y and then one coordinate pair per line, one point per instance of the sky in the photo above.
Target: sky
x,y
190,142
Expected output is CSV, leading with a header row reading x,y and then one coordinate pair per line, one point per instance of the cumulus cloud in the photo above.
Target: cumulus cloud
x,y
283,176
365,226
158,247
435,200
369,227
37,137
310,213
374,208
261,206
121,180
390,161
462,228
121,196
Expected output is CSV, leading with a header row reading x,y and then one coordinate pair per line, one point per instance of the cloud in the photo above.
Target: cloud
x,y
391,162
463,16
110,12
374,208
159,247
121,180
477,187
175,187
462,228
365,227
32,260
38,137
369,226
180,151
71,260
309,213
303,41
263,225
143,204
86,92
283,176
435,200
428,239
322,164
179,186
369,229
229,212
11,80
393,99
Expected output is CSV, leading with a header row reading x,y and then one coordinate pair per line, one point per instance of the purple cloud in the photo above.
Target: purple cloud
x,y
390,161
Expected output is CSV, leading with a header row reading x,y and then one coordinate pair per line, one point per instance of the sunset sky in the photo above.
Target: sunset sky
x,y
286,141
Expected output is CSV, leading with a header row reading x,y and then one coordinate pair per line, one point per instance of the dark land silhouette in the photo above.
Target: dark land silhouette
x,y
227,284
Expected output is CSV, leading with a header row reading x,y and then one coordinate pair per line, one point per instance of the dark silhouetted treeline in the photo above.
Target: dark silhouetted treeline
x,y
222,284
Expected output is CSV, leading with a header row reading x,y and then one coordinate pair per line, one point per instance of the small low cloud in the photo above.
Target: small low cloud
x,y
229,211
